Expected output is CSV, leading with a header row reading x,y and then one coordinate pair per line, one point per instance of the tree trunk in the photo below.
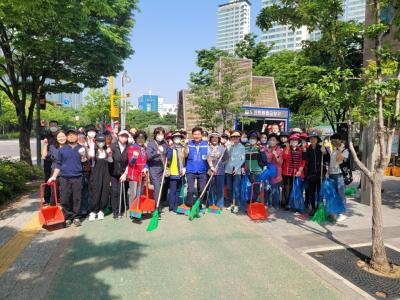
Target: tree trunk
x,y
24,139
379,259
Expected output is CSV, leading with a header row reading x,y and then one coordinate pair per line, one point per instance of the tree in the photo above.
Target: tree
x,y
65,116
250,49
382,99
220,102
292,72
142,119
206,59
56,46
97,107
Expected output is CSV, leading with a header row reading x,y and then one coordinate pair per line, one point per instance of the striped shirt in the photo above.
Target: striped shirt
x,y
295,162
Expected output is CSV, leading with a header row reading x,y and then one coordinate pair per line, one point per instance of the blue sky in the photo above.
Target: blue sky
x,y
165,38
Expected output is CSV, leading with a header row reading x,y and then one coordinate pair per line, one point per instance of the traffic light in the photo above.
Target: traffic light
x,y
42,99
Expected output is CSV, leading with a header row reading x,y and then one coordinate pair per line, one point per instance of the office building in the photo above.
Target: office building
x,y
233,24
284,38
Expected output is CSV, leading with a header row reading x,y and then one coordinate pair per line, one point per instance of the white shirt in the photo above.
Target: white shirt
x,y
334,166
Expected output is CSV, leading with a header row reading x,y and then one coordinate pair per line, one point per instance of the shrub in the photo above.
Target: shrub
x,y
13,177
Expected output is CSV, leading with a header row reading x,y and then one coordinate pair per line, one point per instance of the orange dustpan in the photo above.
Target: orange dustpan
x,y
256,210
145,204
50,215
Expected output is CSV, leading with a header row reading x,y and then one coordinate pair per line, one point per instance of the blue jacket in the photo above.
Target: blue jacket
x,y
197,157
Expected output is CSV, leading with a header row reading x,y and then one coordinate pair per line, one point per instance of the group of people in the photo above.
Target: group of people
x,y
93,169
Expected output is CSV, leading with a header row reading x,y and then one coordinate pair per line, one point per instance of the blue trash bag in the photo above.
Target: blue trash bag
x,y
296,199
333,203
270,172
245,190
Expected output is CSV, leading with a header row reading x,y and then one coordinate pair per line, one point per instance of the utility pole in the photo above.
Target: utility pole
x,y
114,109
124,79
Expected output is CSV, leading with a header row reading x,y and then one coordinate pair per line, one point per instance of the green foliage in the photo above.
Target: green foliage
x,y
221,101
59,46
65,116
97,107
13,177
250,49
141,119
292,72
8,116
206,59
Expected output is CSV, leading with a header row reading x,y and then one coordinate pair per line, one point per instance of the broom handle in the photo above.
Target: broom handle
x,y
212,175
162,182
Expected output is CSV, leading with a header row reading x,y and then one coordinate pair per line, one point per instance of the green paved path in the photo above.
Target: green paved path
x,y
215,257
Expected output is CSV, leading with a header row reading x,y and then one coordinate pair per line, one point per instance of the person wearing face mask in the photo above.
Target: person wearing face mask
x,y
99,184
273,154
176,164
205,136
156,152
293,165
87,167
233,174
69,167
49,139
196,151
216,152
314,156
117,171
225,140
244,139
137,164
338,156
254,163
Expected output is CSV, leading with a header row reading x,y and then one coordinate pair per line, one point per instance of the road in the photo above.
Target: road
x,y
11,148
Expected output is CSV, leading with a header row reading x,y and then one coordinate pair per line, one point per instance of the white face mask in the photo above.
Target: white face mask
x,y
91,134
253,141
100,144
244,140
130,140
160,137
177,140
53,129
263,141
294,143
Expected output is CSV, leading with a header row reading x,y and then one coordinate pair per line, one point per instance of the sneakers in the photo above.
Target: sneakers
x,y
92,216
341,218
100,215
68,223
235,209
230,207
77,222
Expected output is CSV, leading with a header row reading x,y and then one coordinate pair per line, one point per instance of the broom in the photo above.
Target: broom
x,y
320,215
154,219
136,213
183,209
195,211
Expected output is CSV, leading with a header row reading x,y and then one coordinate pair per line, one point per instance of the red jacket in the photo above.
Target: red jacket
x,y
287,157
134,169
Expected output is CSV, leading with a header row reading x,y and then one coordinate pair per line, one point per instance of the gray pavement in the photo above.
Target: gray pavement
x,y
10,148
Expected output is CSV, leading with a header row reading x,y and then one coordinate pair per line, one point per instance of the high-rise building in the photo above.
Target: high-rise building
x,y
282,37
66,99
233,24
148,103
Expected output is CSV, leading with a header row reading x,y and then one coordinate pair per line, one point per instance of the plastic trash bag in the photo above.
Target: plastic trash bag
x,y
270,172
296,199
334,204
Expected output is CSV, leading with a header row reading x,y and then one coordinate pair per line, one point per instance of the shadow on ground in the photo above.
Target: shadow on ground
x,y
85,259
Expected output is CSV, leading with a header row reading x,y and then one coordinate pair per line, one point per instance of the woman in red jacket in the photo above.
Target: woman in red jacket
x,y
293,165
137,164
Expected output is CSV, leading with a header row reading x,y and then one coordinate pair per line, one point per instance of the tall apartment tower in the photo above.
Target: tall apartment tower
x,y
233,24
284,38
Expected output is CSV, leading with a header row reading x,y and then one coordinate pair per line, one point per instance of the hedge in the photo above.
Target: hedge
x,y
14,175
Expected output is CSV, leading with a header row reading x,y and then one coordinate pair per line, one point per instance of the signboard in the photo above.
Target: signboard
x,y
266,113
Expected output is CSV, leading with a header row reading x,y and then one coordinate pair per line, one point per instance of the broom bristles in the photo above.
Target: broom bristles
x,y
153,222
195,211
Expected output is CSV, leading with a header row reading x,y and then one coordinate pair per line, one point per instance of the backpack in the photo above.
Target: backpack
x,y
346,169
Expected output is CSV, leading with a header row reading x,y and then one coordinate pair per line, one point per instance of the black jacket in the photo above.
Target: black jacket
x,y
120,160
313,159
